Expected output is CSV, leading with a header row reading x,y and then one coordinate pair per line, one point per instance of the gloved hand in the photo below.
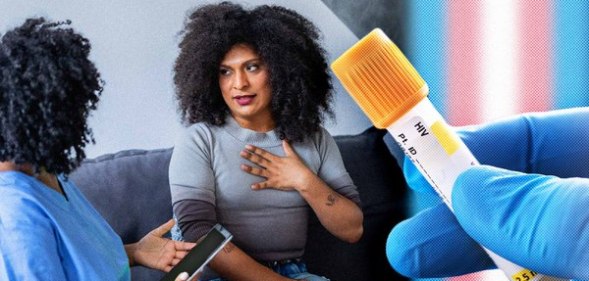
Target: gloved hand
x,y
539,222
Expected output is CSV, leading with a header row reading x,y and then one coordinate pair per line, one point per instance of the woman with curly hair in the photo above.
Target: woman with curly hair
x,y
253,88
48,230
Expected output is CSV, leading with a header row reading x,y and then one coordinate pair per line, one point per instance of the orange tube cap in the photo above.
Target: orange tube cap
x,y
380,78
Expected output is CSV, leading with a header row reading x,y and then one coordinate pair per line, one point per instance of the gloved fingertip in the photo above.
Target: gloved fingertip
x,y
469,185
399,253
415,179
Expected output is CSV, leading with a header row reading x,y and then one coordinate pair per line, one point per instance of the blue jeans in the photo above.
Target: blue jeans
x,y
294,269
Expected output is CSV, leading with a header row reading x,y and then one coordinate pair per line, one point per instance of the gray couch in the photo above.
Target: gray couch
x,y
130,189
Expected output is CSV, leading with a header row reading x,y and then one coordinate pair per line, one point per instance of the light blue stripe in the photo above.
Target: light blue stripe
x,y
571,53
426,50
426,38
426,32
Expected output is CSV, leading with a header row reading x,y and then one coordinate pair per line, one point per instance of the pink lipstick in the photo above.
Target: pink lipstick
x,y
244,100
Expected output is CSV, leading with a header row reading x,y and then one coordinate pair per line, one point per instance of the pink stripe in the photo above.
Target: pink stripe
x,y
464,70
535,55
486,275
464,52
535,68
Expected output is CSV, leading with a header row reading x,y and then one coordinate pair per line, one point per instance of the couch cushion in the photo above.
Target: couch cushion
x,y
382,190
131,190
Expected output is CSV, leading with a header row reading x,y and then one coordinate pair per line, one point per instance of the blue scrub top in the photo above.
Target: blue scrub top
x,y
47,236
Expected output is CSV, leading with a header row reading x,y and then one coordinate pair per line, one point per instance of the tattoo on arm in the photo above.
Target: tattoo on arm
x,y
228,248
331,199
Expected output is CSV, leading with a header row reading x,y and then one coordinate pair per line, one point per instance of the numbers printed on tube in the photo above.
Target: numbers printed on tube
x,y
524,275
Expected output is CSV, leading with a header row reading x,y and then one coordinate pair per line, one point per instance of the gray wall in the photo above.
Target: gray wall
x,y
363,16
134,46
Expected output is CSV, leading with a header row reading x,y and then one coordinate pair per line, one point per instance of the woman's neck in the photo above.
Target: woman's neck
x,y
50,180
261,124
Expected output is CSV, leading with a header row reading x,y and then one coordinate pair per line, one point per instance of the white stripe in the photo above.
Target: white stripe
x,y
499,58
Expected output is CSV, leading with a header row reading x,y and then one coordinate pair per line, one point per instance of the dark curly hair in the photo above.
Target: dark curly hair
x,y
286,41
47,88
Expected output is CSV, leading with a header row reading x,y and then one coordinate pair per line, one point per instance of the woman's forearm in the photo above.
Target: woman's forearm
x,y
234,264
338,214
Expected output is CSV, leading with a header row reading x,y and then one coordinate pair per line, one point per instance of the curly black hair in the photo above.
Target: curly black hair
x,y
286,41
47,88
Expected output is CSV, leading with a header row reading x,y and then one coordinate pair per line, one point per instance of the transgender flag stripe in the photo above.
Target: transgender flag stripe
x,y
486,59
490,58
571,49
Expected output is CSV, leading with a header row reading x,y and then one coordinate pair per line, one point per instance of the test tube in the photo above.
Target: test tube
x,y
394,96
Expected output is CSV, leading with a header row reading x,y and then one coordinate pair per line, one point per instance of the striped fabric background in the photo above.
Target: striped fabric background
x,y
491,58
487,59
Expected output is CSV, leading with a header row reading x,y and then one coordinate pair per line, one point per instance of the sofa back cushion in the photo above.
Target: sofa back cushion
x,y
131,190
382,191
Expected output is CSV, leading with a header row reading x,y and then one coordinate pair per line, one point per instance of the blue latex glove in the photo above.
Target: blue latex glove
x,y
539,222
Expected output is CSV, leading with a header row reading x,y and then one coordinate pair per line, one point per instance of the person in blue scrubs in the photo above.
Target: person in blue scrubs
x,y
48,230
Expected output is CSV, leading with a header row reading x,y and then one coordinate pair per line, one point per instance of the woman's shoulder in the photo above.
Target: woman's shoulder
x,y
20,192
200,131
321,140
14,182
322,136
197,127
199,136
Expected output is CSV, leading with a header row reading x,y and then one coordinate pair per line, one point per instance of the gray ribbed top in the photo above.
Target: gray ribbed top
x,y
267,224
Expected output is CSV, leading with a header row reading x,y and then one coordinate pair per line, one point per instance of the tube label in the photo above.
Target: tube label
x,y
437,152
